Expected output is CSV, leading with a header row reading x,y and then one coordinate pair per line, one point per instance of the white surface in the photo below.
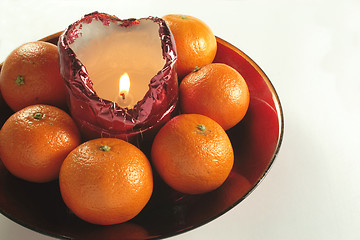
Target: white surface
x,y
310,50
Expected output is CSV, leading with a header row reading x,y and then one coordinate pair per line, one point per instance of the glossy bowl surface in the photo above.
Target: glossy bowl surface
x,y
256,141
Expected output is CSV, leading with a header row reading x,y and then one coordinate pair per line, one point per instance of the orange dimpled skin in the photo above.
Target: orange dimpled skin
x,y
217,91
192,153
106,181
31,75
35,141
195,42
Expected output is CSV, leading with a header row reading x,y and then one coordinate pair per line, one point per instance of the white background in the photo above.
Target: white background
x,y
310,50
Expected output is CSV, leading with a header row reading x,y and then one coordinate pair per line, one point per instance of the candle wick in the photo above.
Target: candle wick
x,y
122,96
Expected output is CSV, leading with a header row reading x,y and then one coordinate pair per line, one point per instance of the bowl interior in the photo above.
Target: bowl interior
x,y
256,141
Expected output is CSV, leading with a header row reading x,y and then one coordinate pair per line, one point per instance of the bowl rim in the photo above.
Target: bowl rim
x,y
277,103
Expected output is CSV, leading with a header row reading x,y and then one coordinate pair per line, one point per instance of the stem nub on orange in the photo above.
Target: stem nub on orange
x,y
195,42
106,181
31,75
217,91
35,141
192,154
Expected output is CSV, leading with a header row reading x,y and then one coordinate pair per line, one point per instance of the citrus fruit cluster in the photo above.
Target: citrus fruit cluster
x,y
212,89
107,181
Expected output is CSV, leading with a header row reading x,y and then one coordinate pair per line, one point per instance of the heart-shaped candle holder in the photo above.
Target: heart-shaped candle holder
x,y
96,53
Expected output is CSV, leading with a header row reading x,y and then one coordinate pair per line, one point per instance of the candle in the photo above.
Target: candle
x,y
120,75
137,52
112,51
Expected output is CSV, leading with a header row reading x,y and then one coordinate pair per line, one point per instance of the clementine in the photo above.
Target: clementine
x,y
195,42
35,141
106,181
217,91
192,154
31,75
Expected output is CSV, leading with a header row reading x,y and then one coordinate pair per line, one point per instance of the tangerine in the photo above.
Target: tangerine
x,y
192,153
31,75
106,181
35,141
195,42
217,91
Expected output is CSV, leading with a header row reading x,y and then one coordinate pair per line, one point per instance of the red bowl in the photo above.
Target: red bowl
x,y
256,141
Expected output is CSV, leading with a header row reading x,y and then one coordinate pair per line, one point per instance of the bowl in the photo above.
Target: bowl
x,y
256,141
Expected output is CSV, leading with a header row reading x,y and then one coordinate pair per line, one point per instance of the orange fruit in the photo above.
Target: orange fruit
x,y
192,154
35,141
106,181
31,75
217,91
195,42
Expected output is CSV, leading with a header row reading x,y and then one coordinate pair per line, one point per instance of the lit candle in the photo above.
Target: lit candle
x,y
114,50
125,99
96,52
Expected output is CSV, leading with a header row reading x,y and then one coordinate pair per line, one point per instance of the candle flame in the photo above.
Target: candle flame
x,y
124,84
